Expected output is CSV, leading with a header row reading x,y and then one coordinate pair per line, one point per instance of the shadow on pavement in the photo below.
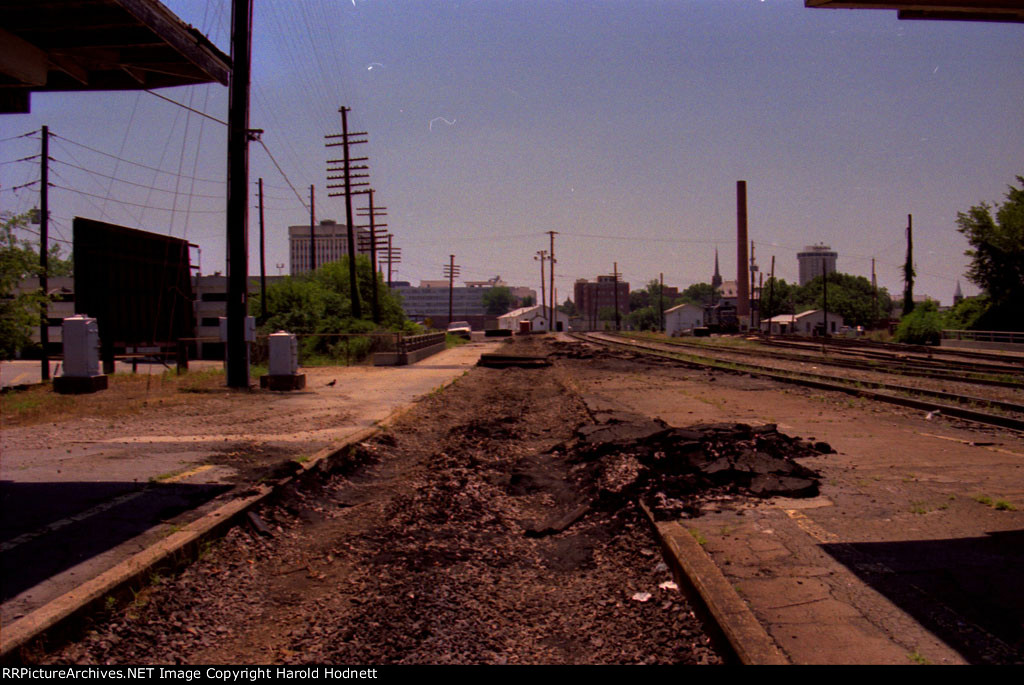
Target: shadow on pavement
x,y
967,591
47,528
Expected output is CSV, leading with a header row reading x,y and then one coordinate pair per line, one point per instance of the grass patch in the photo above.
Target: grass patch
x,y
1003,505
983,499
918,658
699,537
998,504
918,508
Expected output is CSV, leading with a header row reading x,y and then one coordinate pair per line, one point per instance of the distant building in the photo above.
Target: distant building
x,y
331,244
430,300
536,315
809,323
814,261
683,318
591,297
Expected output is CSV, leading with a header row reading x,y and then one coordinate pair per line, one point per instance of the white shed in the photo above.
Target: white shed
x,y
683,317
537,315
811,322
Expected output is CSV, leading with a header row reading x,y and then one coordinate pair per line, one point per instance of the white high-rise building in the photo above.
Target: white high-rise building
x,y
331,244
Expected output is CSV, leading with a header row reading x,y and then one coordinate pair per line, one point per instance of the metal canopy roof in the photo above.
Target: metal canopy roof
x,y
956,10
67,45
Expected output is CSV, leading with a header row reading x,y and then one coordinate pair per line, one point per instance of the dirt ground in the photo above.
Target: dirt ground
x,y
418,552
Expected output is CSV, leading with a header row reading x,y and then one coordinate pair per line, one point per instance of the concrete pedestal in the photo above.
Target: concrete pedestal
x,y
79,385
296,381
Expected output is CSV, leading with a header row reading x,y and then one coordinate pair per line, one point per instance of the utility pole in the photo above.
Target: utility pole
x,y
237,195
374,240
44,249
874,289
824,291
348,185
908,269
755,297
771,294
263,262
661,303
394,257
542,255
551,275
615,284
312,229
451,270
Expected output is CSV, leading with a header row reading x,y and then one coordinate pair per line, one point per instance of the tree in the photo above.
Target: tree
x,y
645,319
698,293
997,257
527,301
922,326
19,260
568,308
852,297
777,297
497,300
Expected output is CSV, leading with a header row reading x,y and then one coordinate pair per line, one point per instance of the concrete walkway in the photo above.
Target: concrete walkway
x,y
77,506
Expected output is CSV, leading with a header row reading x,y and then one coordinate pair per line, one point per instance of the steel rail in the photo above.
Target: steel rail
x,y
851,364
811,381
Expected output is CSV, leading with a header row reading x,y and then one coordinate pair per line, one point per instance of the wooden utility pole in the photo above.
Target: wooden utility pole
x,y
394,257
824,292
615,285
451,271
874,289
908,269
542,255
44,252
771,294
312,229
238,195
263,262
661,303
374,241
551,276
349,186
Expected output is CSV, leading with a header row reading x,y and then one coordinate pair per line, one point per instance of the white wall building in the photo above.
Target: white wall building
x,y
683,317
331,244
806,323
536,315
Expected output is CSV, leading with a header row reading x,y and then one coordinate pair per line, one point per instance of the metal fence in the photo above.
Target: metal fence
x,y
985,336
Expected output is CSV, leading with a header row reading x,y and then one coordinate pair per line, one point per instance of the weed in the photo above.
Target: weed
x,y
918,658
983,499
726,530
109,603
918,508
699,537
1003,505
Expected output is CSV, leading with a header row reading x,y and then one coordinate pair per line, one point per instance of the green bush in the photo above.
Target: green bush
x,y
923,326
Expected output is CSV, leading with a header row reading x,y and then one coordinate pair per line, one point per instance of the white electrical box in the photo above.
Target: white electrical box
x,y
250,328
81,346
284,354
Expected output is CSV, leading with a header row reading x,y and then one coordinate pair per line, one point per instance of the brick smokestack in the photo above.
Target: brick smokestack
x,y
742,289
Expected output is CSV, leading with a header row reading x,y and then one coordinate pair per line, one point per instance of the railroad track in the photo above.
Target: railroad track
x,y
883,392
971,375
897,350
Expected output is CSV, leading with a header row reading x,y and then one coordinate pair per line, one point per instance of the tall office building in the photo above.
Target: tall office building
x,y
331,244
814,261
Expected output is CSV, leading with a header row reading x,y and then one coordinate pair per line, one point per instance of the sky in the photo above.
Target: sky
x,y
623,125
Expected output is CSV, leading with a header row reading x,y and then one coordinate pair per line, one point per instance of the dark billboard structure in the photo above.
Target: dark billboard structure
x,y
136,284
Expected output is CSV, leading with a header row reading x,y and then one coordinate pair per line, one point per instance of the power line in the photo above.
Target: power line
x,y
136,204
132,183
281,171
128,161
183,106
23,135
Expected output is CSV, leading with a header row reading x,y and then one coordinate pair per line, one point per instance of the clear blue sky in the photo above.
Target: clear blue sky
x,y
623,125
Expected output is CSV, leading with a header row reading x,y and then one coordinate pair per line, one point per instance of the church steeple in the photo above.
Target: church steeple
x,y
957,295
716,280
